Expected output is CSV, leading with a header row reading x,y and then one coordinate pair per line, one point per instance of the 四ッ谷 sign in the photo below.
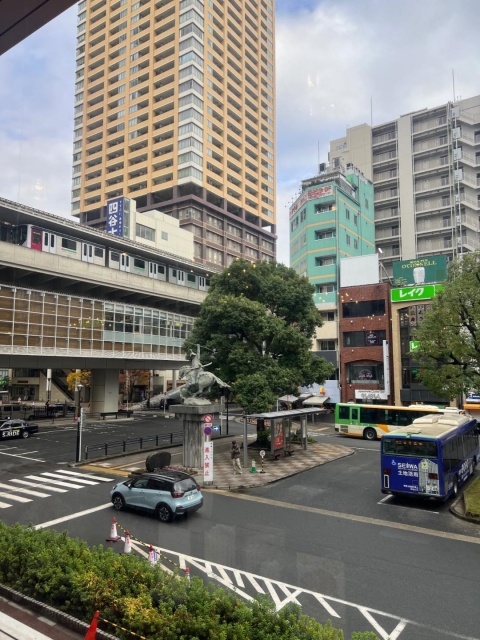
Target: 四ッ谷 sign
x,y
208,462
420,271
420,292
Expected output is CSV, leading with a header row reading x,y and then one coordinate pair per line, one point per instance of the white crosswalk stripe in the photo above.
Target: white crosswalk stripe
x,y
45,485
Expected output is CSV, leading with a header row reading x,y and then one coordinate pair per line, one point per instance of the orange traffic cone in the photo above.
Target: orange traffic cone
x,y
187,574
152,556
114,537
128,545
92,629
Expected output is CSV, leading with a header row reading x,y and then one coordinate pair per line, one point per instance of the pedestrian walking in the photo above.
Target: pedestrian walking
x,y
235,453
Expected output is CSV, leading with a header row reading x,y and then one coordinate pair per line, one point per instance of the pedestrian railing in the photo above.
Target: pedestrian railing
x,y
121,446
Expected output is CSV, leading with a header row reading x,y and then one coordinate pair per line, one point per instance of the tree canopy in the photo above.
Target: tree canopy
x,y
258,320
449,338
75,378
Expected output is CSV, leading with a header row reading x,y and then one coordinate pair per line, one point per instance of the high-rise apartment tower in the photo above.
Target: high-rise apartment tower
x,y
175,107
425,168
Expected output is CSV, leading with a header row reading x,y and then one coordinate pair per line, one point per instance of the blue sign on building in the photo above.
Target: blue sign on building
x,y
115,217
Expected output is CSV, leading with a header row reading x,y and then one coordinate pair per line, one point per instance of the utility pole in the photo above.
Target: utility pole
x,y
80,413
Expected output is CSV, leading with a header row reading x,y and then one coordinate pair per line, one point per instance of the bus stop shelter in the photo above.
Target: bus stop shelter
x,y
279,423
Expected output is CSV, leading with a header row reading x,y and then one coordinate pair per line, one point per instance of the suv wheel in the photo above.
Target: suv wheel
x,y
118,502
25,434
164,513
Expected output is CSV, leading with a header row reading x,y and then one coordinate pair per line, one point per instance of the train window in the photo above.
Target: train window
x,y
98,252
114,256
36,236
69,244
191,277
139,264
161,269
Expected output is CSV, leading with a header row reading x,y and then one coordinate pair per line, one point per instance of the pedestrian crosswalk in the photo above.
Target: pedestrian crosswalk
x,y
44,485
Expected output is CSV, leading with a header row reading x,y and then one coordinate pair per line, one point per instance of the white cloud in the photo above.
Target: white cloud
x,y
332,60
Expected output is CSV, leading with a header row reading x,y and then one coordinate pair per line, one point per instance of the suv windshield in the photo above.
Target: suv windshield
x,y
188,484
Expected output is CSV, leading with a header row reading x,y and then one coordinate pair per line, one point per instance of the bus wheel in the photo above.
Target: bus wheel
x,y
370,434
455,487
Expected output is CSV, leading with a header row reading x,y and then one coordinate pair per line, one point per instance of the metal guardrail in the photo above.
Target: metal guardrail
x,y
175,437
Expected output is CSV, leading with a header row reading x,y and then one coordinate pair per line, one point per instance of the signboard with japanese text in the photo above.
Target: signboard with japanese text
x,y
313,194
407,294
278,439
208,461
420,271
115,217
371,338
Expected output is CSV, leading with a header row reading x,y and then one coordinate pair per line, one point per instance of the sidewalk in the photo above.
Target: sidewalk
x,y
224,478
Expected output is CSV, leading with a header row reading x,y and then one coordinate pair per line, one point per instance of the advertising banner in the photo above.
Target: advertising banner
x,y
420,271
115,217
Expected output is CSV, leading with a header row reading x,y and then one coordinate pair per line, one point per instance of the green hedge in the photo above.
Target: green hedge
x,y
68,575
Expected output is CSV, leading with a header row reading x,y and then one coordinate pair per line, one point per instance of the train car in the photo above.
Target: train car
x,y
39,239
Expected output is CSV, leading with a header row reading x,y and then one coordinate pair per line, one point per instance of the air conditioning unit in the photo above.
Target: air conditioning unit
x,y
457,198
459,241
458,219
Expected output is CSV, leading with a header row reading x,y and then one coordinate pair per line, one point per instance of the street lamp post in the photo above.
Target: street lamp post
x,y
78,389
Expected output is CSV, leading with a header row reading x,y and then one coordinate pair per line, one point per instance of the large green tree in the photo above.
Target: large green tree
x,y
258,320
449,338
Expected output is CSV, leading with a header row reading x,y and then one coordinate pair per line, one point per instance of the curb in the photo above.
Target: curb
x,y
290,475
458,514
52,614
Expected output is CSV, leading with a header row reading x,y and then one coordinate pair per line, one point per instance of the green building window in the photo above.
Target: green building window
x,y
325,262
347,214
303,215
324,288
323,235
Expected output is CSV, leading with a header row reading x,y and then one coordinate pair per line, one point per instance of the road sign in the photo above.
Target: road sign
x,y
262,453
414,344
216,427
208,418
207,431
208,462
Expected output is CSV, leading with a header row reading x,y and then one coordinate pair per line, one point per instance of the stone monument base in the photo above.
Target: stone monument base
x,y
193,425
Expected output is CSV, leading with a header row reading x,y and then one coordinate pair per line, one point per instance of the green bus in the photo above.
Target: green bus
x,y
371,421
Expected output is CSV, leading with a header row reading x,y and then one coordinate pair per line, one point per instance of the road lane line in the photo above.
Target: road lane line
x,y
4,505
383,500
56,482
329,609
57,476
18,455
349,516
85,475
238,578
29,492
38,484
9,496
73,516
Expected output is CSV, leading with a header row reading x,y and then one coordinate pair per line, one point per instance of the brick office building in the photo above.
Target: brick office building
x,y
365,322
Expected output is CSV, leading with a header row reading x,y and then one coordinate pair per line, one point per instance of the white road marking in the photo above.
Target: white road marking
x,y
7,448
385,499
85,475
330,610
4,505
73,516
29,492
255,584
365,449
58,476
56,482
225,575
37,484
18,455
9,496
11,628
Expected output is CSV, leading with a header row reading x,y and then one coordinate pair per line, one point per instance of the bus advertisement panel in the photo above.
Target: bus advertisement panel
x,y
372,421
432,458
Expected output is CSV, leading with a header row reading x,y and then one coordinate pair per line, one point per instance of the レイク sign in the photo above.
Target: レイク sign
x,y
407,294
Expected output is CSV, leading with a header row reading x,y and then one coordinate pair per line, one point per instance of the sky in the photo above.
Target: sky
x,y
334,58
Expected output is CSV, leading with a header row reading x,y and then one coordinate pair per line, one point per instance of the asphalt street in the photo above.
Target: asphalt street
x,y
323,538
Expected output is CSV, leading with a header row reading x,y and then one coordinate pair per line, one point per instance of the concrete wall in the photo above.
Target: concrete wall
x,y
405,179
178,240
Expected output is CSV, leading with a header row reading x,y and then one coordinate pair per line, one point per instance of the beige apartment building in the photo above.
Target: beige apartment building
x,y
175,108
425,167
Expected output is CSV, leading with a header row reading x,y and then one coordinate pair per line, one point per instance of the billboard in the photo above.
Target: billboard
x,y
115,215
359,270
420,271
407,294
313,194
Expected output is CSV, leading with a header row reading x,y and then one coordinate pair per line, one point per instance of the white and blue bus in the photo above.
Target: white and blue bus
x,y
430,458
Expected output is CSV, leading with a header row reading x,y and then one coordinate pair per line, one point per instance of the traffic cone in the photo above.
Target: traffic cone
x,y
152,556
187,574
254,468
92,629
128,545
114,537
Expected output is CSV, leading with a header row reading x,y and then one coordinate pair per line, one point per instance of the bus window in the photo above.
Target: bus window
x,y
344,413
355,413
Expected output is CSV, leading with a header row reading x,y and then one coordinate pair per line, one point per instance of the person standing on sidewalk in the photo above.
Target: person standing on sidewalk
x,y
235,453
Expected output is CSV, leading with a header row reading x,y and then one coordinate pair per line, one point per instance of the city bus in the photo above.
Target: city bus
x,y
431,458
371,421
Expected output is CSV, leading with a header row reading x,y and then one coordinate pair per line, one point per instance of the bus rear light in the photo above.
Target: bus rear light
x,y
387,472
433,476
386,481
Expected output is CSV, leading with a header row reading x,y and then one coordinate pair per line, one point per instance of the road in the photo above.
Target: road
x,y
323,538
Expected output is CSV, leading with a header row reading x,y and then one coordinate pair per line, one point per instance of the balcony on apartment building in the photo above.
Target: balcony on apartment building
x,y
388,235
383,178
387,214
448,243
432,125
431,143
437,183
431,164
386,195
387,157
432,204
472,115
383,139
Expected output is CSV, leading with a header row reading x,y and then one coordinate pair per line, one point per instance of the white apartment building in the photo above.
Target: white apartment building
x,y
425,167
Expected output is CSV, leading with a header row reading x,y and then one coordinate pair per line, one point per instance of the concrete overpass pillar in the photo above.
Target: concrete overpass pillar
x,y
104,388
